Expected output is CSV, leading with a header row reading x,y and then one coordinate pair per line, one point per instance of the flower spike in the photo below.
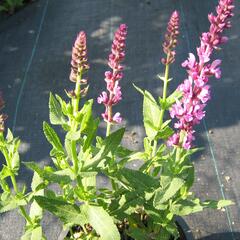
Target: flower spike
x,y
79,57
196,92
171,39
112,78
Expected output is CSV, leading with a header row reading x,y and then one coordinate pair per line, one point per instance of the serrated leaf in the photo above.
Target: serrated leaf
x,y
101,221
186,207
5,172
109,145
52,137
137,180
47,175
137,234
69,214
217,204
91,132
86,113
15,161
162,195
11,203
164,133
4,185
55,112
35,209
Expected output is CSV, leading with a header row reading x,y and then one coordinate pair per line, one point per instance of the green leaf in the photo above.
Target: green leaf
x,y
138,89
126,205
47,175
69,214
172,98
137,234
109,144
151,115
33,233
73,136
101,221
52,137
35,210
5,172
15,161
86,112
164,194
132,157
164,133
91,132
186,207
136,180
55,112
217,204
9,136
9,202
4,185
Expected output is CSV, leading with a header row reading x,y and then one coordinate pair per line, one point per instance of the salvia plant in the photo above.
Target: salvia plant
x,y
140,204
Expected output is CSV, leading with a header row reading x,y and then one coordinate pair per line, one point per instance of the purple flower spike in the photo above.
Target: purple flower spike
x,y
113,77
196,92
170,41
79,58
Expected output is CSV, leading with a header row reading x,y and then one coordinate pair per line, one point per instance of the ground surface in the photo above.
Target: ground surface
x,y
35,48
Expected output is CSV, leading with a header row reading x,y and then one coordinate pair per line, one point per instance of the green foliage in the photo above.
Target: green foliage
x,y
101,221
56,115
151,115
142,202
68,213
10,5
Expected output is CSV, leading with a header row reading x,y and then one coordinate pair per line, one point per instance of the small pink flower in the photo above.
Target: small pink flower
x,y
173,140
103,98
117,118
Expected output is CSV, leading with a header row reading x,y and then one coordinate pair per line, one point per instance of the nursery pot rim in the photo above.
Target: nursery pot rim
x,y
179,220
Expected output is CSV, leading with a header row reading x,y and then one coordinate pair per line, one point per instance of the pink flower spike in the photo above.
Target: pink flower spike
x,y
113,77
189,111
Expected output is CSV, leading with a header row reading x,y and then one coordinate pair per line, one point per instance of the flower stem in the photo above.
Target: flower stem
x,y
108,129
75,104
162,111
179,148
14,183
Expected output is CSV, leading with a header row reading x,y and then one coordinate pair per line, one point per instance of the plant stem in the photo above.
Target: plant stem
x,y
162,111
14,183
179,148
108,129
75,104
